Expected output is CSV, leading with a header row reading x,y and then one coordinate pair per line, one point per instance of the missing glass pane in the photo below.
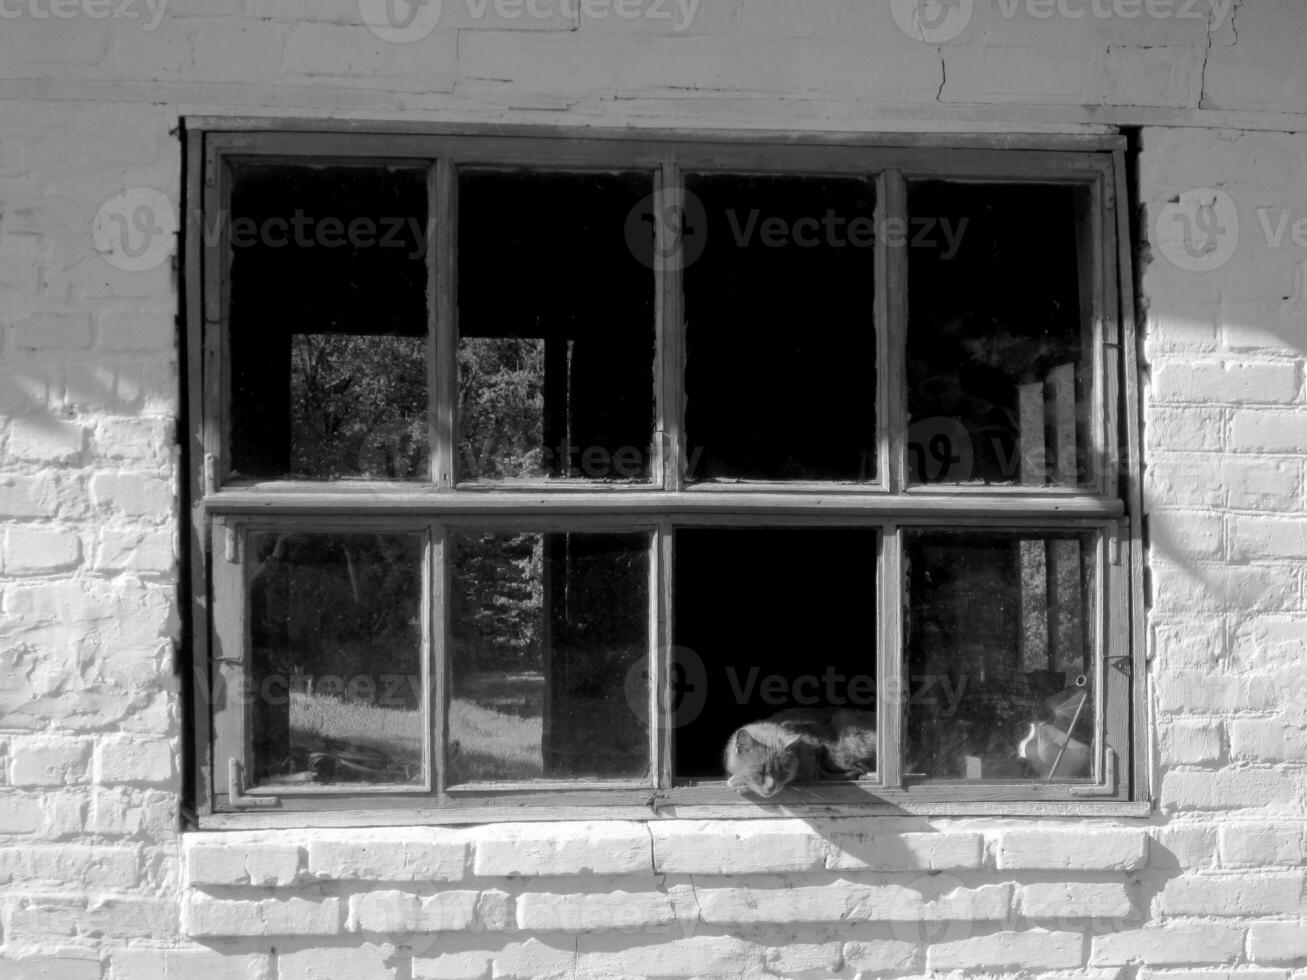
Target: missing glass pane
x,y
550,655
1000,655
335,621
1000,335
768,621
328,322
556,327
781,364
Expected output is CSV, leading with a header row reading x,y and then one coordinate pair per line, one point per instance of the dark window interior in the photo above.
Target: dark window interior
x,y
767,620
556,326
779,297
328,322
998,343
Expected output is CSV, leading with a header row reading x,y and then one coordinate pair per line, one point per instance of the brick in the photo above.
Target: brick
x,y
562,849
67,964
879,957
1196,534
29,550
1267,740
1064,900
1031,949
1253,538
127,760
133,494
625,956
1195,429
205,916
1182,846
401,912
1260,845
905,852
130,330
1229,382
1072,848
260,865
53,330
933,898
1264,430
540,958
53,761
366,962
72,864
45,440
27,496
19,814
1228,789
1264,641
1277,942
188,964
1233,895
773,847
619,911
463,964
1191,742
145,552
1202,691
388,856
1262,483
1171,945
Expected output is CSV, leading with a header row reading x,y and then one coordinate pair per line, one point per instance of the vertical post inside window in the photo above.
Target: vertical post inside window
x,y
892,325
670,229
442,264
892,682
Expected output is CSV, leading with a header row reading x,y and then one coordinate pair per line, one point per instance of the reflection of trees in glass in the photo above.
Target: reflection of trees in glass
x,y
358,406
498,602
501,399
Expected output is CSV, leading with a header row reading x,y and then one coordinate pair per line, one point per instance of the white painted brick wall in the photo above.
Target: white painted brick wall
x,y
97,884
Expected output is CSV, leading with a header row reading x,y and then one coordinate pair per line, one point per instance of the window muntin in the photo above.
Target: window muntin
x,y
882,506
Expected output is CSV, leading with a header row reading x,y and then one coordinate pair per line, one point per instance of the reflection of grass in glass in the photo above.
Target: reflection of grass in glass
x,y
493,745
394,731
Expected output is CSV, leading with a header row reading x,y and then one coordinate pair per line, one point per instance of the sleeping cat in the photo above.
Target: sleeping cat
x,y
801,745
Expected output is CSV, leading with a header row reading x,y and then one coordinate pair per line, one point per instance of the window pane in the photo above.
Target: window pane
x,y
328,322
1000,343
556,327
336,657
999,648
779,304
768,621
550,650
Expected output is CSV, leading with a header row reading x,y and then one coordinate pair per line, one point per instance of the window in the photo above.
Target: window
x,y
530,467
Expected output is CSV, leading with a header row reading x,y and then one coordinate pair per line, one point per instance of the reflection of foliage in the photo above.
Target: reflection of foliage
x,y
345,604
358,406
498,602
501,398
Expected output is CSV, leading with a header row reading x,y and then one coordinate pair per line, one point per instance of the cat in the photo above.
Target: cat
x,y
801,745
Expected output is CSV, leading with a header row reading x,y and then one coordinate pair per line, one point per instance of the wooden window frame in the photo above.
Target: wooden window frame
x,y
223,511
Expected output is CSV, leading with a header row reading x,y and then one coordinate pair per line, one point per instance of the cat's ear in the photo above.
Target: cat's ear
x,y
744,741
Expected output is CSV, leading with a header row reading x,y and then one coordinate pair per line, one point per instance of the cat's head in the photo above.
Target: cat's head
x,y
760,768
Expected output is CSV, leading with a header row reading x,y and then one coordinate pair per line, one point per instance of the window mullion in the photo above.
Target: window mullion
x,y
892,328
669,231
442,371
891,685
437,649
662,702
